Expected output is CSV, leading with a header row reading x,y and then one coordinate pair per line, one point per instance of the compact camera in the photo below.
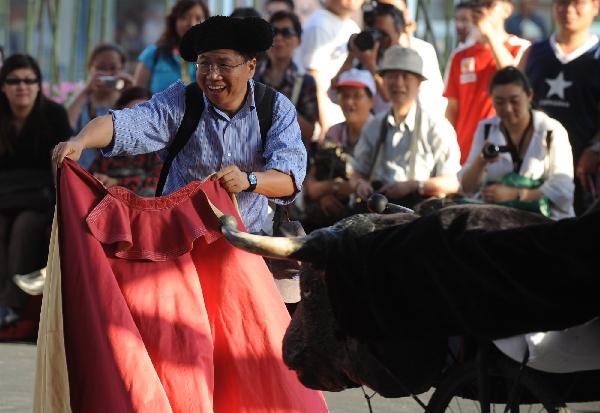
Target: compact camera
x,y
112,81
492,150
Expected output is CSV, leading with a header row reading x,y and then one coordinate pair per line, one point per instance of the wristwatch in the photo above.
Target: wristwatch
x,y
252,180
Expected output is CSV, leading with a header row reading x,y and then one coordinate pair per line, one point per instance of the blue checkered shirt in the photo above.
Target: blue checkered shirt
x,y
218,141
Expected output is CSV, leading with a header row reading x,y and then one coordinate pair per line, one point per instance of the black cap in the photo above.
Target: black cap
x,y
250,35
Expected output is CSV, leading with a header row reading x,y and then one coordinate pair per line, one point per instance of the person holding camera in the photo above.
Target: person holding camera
x,y
327,188
106,80
471,68
407,153
520,157
387,25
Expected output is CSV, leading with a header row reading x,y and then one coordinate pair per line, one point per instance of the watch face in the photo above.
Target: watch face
x,y
252,178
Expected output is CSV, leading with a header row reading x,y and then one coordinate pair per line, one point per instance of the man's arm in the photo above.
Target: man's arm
x,y
452,111
96,134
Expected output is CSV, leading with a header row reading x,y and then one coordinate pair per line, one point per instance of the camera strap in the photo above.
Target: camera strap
x,y
382,134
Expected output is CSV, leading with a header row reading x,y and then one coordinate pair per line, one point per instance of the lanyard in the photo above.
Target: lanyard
x,y
185,69
515,151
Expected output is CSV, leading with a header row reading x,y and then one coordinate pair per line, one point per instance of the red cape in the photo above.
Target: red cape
x,y
161,313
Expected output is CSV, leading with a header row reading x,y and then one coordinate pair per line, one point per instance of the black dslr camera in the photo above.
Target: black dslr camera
x,y
492,150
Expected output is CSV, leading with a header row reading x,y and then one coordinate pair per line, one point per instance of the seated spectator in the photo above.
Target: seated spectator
x,y
160,64
106,79
535,169
326,188
406,153
30,126
280,72
138,173
273,6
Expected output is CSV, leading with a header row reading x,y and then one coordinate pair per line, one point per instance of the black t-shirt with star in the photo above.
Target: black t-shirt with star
x,y
568,91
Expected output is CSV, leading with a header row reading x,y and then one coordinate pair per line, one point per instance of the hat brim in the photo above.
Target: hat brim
x,y
389,69
350,83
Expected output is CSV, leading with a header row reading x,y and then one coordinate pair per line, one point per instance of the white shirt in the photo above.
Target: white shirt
x,y
437,151
553,165
324,49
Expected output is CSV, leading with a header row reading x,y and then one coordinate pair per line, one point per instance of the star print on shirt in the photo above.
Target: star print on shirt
x,y
558,86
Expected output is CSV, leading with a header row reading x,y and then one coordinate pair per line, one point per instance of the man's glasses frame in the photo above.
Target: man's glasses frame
x,y
13,81
221,68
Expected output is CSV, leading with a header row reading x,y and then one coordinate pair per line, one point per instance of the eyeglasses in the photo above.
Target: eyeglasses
x,y
286,32
15,81
221,68
578,4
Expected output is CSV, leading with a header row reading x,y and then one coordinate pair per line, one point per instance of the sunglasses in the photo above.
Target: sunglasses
x,y
286,32
15,81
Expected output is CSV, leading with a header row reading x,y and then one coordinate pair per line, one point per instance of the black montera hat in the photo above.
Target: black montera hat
x,y
250,35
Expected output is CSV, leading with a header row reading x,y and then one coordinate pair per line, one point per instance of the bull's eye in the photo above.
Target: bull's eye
x,y
306,293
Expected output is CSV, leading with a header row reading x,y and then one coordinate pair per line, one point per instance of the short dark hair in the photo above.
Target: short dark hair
x,y
288,15
130,94
510,75
289,3
386,9
462,5
243,12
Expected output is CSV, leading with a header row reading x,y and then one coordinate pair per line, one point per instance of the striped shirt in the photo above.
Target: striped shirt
x,y
218,141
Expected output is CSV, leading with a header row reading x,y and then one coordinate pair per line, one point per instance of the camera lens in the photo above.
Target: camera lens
x,y
490,151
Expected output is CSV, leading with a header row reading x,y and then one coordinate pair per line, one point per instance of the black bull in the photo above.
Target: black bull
x,y
338,341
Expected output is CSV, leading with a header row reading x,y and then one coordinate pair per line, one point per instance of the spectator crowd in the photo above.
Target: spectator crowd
x,y
514,120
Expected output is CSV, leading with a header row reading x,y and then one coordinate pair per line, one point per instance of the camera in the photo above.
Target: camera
x,y
492,150
112,81
366,39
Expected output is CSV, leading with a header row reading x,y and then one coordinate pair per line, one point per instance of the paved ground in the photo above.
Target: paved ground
x,y
17,373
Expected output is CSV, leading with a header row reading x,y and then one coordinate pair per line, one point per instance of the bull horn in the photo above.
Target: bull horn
x,y
274,247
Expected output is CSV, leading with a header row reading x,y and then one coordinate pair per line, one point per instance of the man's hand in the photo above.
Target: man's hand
x,y
397,190
70,149
364,190
331,206
587,167
232,179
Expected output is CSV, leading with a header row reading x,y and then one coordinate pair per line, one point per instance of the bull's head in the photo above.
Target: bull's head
x,y
315,346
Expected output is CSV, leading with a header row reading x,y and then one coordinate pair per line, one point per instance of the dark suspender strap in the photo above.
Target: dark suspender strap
x,y
194,106
264,98
486,131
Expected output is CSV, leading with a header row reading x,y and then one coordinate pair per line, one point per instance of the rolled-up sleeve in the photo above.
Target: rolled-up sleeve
x,y
558,185
149,126
284,150
445,148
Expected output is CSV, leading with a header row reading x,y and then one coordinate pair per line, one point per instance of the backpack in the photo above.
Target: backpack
x,y
264,97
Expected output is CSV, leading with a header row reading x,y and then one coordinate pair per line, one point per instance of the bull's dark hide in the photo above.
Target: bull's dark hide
x,y
438,277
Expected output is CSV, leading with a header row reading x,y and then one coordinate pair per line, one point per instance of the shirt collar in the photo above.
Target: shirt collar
x,y
569,57
409,120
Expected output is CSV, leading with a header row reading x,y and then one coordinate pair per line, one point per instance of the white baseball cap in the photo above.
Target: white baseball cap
x,y
356,78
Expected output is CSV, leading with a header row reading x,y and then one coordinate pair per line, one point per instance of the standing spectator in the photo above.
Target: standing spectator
x,y
274,6
565,75
537,171
160,64
30,125
281,73
406,153
471,68
327,189
463,22
324,49
526,23
106,79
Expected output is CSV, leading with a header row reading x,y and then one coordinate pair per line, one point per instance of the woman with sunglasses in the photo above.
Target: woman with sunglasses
x,y
30,126
281,73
